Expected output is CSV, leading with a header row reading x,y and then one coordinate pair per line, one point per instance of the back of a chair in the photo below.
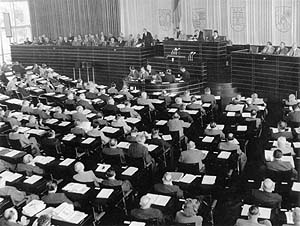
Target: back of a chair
x,y
280,176
136,162
15,144
114,160
4,141
191,168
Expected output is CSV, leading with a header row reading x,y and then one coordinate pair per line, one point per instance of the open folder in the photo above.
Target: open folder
x,y
264,213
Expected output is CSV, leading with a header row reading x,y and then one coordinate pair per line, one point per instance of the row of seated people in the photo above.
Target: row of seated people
x,y
281,50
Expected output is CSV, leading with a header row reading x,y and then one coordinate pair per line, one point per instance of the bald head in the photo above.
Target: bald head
x,y
268,185
11,215
79,167
145,202
167,178
296,215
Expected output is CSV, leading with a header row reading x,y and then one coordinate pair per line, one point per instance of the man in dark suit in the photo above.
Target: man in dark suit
x,y
113,149
185,116
87,104
166,187
138,150
78,115
294,116
185,74
198,35
192,155
278,165
265,197
110,107
169,77
283,131
216,37
53,198
111,181
282,50
147,38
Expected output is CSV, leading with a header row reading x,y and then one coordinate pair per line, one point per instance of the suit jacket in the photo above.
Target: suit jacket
x,y
208,98
142,101
61,116
113,151
286,134
244,222
27,109
278,165
283,51
55,199
111,108
166,189
182,218
21,137
29,169
137,150
91,95
104,97
146,214
86,104
192,156
294,116
177,125
266,199
125,185
85,177
78,131
43,115
147,38
185,116
186,76
79,117
168,78
228,146
268,50
295,52
132,112
15,195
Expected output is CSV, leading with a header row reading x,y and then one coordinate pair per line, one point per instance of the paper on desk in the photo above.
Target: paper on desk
x,y
130,171
88,140
38,132
219,126
59,95
208,179
172,110
206,105
224,155
118,96
110,117
68,137
132,120
289,217
64,123
136,223
230,114
9,176
121,106
76,188
108,129
103,167
91,115
296,144
156,101
192,112
23,129
274,130
188,178
261,108
135,91
246,115
162,200
77,217
268,155
12,153
156,93
81,91
176,176
105,193
2,124
296,186
138,108
167,137
97,100
208,139
49,94
264,213
161,122
204,152
34,207
241,128
52,121
123,144
43,159
151,147
67,162
33,179
48,211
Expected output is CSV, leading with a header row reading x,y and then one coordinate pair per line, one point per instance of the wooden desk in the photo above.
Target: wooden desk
x,y
271,76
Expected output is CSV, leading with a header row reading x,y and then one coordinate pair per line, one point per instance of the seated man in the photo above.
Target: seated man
x,y
113,149
186,97
85,176
70,101
125,91
96,132
294,116
284,146
78,130
207,97
110,107
103,96
28,166
268,49
78,115
166,187
296,217
283,131
111,181
143,100
231,144
138,150
132,136
195,106
169,77
50,141
52,197
119,122
193,155
265,197
15,195
185,116
292,100
10,218
127,108
113,89
100,120
24,140
146,212
178,103
157,140
86,103
256,100
214,131
58,114
26,108
250,106
176,124
39,111
278,165
253,117
165,96
189,213
253,215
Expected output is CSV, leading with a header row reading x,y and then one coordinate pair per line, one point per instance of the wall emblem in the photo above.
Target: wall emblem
x,y
199,18
238,18
283,15
165,19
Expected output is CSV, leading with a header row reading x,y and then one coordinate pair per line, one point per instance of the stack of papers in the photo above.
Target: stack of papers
x,y
108,129
130,171
166,137
43,159
67,162
132,120
34,207
9,176
296,144
230,114
208,139
97,100
151,147
241,128
159,200
124,145
12,153
210,180
206,105
224,155
188,178
33,179
69,137
296,186
156,93
246,115
76,188
103,167
161,122
105,193
136,223
264,213
88,140
64,123
289,218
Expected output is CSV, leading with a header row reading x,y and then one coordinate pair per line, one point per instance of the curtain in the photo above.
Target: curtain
x,y
242,21
60,17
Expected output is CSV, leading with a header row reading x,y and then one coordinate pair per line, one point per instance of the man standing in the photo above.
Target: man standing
x,y
185,74
147,38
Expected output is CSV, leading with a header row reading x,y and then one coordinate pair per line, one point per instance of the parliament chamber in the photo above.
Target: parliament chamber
x,y
148,113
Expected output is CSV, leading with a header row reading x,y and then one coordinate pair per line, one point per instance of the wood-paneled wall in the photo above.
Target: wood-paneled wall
x,y
60,17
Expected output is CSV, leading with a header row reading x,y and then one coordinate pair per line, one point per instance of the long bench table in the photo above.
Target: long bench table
x,y
270,76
